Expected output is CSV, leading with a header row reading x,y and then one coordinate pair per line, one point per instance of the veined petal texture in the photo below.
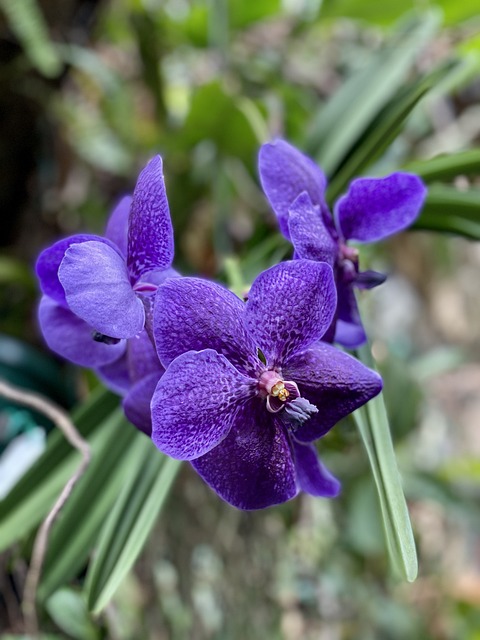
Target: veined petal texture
x,y
284,173
195,314
72,338
98,290
252,468
374,208
196,403
290,306
150,234
334,381
117,225
309,233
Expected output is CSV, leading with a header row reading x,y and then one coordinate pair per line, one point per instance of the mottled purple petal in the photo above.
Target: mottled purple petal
x,y
150,234
117,225
136,403
290,306
49,261
196,403
332,380
98,290
374,208
308,232
116,375
349,330
71,337
369,279
142,357
312,476
284,173
252,468
191,314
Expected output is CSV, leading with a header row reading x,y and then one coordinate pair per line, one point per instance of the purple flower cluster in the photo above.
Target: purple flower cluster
x,y
240,389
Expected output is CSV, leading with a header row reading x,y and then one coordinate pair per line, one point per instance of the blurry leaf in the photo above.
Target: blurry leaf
x,y
447,167
449,210
363,527
33,495
242,13
437,361
398,384
339,125
14,271
67,608
234,125
27,23
372,423
466,468
72,538
383,131
455,11
130,522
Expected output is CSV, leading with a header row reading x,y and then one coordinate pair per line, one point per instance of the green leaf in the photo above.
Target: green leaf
x,y
372,423
68,610
72,537
339,125
34,494
449,210
130,522
383,131
447,167
27,23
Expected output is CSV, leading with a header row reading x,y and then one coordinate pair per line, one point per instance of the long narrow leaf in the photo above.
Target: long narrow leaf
x,y
31,498
447,167
72,536
130,523
449,210
372,423
349,113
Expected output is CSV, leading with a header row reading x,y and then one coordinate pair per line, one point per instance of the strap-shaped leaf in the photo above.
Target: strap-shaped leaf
x,y
449,210
353,108
372,423
383,131
75,532
130,522
30,499
447,167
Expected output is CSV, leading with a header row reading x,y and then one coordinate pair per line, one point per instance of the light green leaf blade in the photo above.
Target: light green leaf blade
x,y
449,210
28,24
130,522
447,167
372,423
72,537
34,494
355,106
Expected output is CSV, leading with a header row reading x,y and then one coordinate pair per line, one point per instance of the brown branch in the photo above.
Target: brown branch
x,y
63,422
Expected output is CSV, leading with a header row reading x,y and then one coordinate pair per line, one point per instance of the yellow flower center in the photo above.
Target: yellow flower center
x,y
280,392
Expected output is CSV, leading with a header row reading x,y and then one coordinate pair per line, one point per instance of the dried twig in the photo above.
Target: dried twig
x,y
63,422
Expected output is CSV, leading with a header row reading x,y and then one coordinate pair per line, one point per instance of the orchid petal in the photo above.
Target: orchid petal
x,y
284,173
312,476
375,208
49,262
136,403
150,234
97,289
191,314
196,403
309,234
290,306
252,468
72,338
349,331
332,380
117,225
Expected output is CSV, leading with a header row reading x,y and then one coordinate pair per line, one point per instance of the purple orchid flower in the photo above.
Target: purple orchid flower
x,y
371,210
135,376
97,289
249,387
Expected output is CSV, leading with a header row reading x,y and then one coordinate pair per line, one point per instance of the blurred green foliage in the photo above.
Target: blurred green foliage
x,y
365,88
